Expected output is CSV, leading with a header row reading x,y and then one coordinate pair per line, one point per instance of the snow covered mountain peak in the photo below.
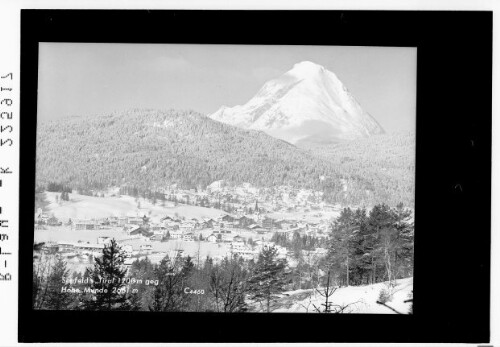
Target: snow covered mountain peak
x,y
307,103
306,69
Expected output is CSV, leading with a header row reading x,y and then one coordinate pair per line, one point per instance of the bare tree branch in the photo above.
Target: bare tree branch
x,y
389,307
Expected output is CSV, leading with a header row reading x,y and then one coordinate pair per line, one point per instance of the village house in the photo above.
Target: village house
x,y
128,262
141,231
239,247
176,234
90,247
187,225
207,224
226,236
196,223
189,236
113,222
40,217
171,225
212,238
85,224
136,220
160,232
79,247
128,250
130,228
227,218
244,222
254,226
147,248
103,223
166,219
156,237
121,221
267,223
65,246
157,227
227,224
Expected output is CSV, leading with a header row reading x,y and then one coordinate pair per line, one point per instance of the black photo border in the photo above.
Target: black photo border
x,y
453,171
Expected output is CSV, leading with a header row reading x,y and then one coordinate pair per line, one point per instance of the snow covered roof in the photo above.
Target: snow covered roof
x,y
253,226
90,245
65,243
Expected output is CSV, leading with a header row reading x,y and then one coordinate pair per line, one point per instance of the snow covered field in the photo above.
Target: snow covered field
x,y
89,207
363,299
65,233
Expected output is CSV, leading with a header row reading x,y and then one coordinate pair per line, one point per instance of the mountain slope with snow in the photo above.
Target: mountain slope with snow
x,y
307,103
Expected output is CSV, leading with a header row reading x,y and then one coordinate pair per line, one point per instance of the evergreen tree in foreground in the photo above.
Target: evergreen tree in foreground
x,y
107,275
269,278
173,274
340,247
56,298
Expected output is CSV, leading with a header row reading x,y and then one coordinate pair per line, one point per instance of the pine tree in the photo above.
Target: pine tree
x,y
269,278
56,298
296,245
141,269
379,226
108,275
403,250
340,243
134,302
172,274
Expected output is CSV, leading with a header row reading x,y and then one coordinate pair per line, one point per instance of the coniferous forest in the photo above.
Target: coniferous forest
x,y
151,149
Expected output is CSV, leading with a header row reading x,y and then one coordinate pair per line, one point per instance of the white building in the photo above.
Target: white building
x,y
104,240
146,248
188,237
176,234
85,224
212,238
128,250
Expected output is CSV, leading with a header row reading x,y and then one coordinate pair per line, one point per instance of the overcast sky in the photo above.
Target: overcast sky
x,y
83,78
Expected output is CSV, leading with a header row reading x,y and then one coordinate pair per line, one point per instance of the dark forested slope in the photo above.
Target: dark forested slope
x,y
386,162
151,149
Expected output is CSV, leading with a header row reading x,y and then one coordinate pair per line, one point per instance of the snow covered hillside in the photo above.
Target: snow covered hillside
x,y
363,299
306,103
89,207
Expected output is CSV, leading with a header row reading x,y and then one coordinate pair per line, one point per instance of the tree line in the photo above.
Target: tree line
x,y
372,247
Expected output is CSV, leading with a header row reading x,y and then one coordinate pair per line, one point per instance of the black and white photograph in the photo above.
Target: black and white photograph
x,y
225,178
